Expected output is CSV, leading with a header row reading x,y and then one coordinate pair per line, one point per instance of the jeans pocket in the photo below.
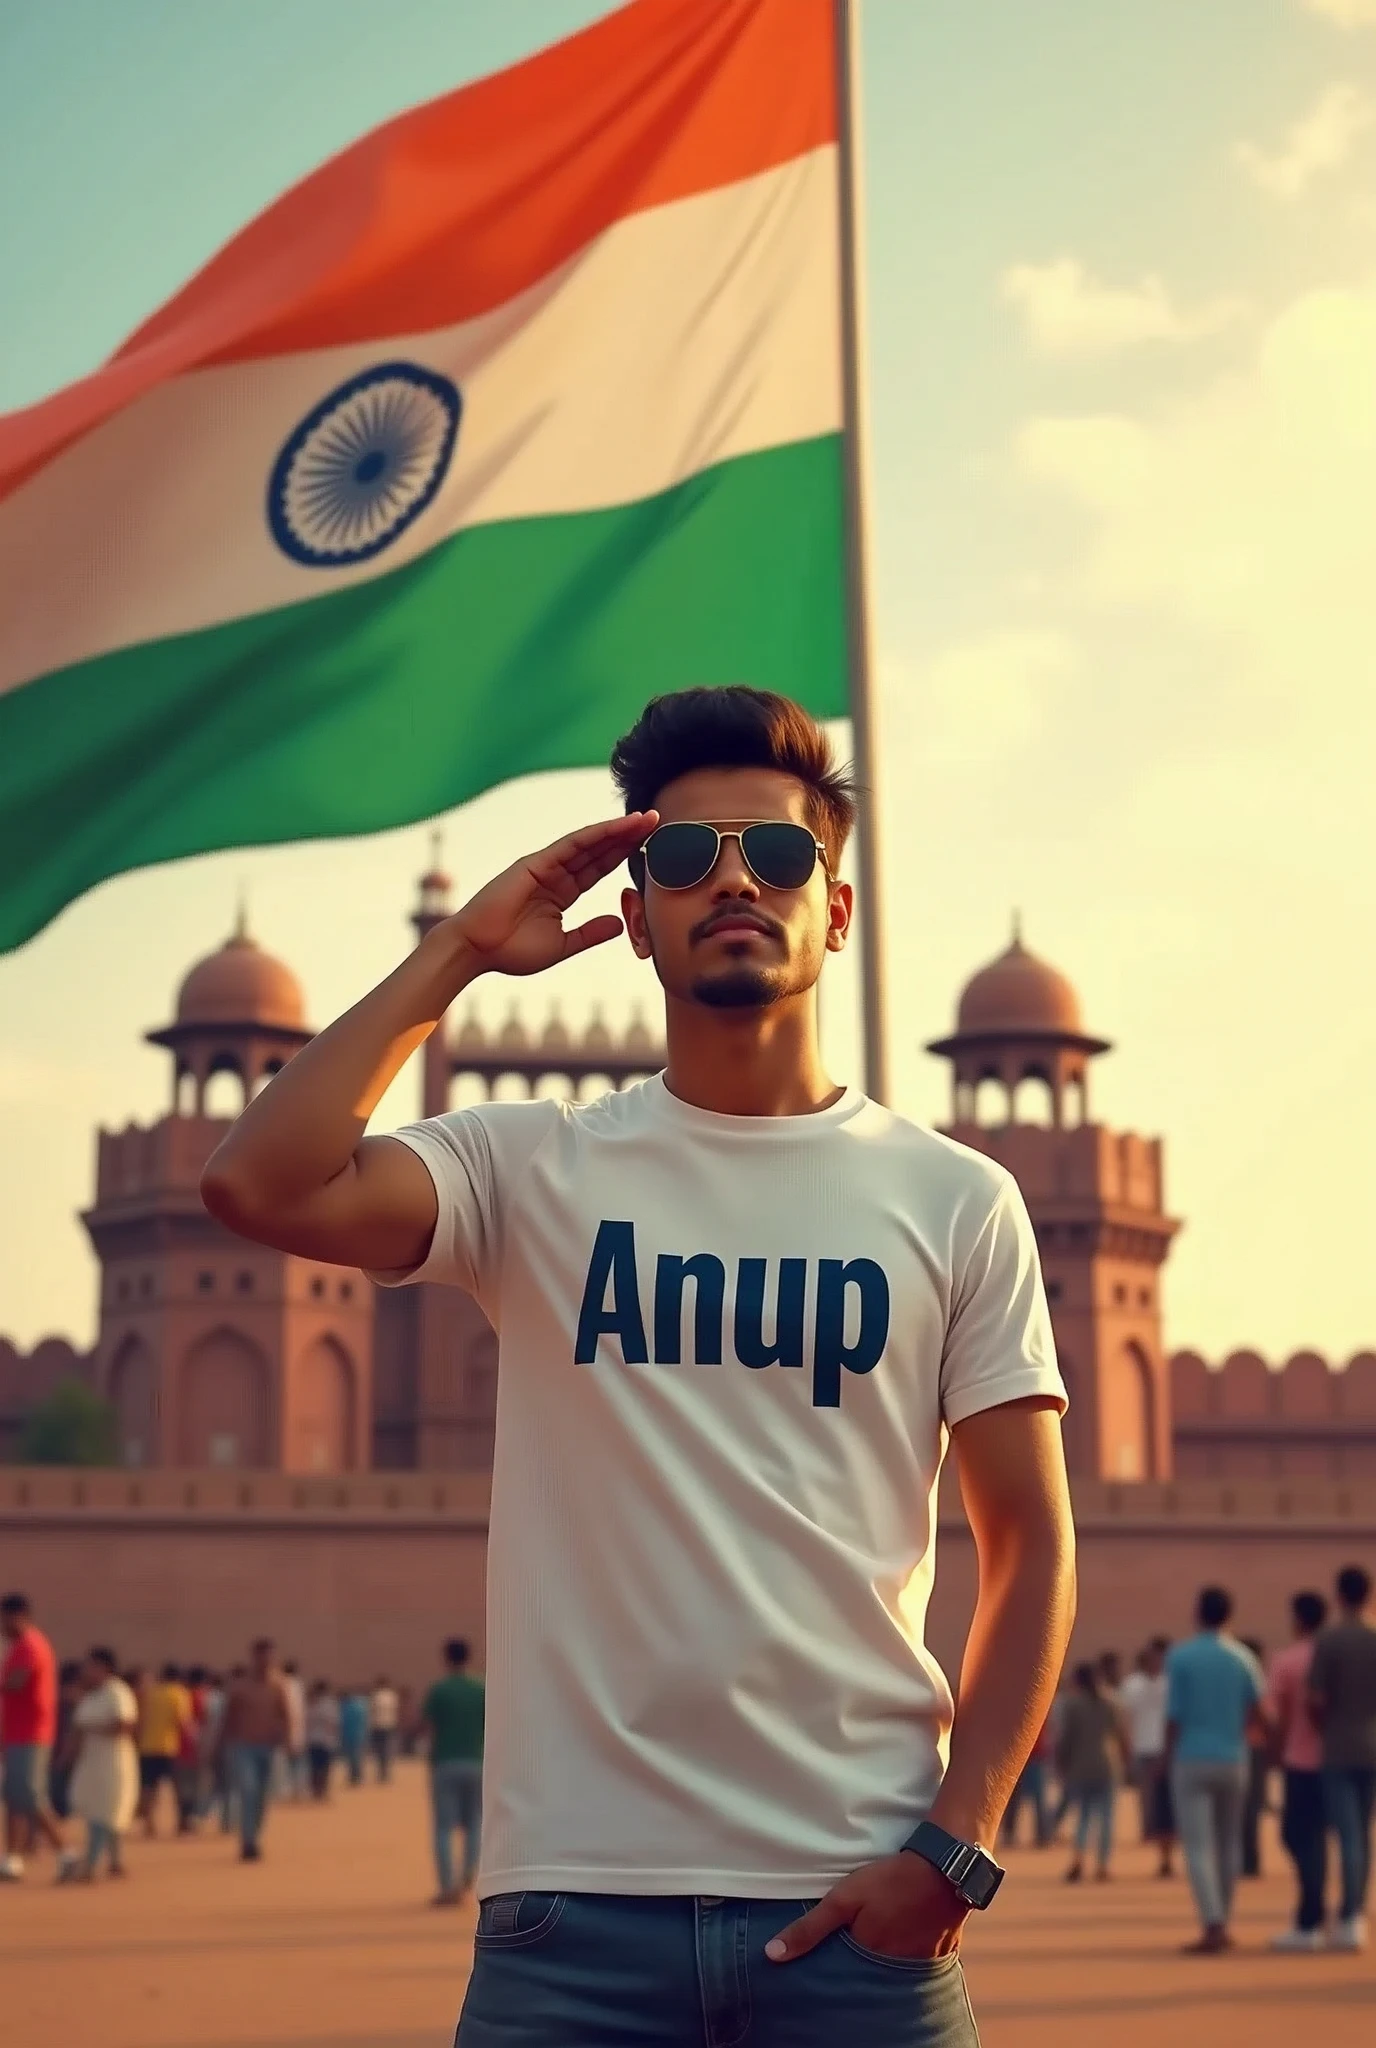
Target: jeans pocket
x,y
517,1919
925,1966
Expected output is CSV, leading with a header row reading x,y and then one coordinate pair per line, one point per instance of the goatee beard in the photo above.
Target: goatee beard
x,y
743,988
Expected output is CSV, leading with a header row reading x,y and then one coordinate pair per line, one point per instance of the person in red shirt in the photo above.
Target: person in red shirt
x,y
28,1728
1298,1748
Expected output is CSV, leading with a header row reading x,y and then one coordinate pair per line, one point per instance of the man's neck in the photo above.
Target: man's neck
x,y
747,1062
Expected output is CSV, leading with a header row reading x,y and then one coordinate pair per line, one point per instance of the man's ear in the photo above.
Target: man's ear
x,y
637,930
840,910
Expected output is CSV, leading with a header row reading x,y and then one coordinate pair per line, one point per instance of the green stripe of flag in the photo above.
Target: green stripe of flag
x,y
511,648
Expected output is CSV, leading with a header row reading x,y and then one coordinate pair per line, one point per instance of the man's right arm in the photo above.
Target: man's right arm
x,y
295,1170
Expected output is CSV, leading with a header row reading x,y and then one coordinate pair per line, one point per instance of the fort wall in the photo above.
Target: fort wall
x,y
369,1571
1247,1420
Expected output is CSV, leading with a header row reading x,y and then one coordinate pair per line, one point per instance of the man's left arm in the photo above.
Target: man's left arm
x,y
1013,1481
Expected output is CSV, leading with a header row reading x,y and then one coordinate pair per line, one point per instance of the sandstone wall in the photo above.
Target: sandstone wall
x,y
1245,1420
369,1572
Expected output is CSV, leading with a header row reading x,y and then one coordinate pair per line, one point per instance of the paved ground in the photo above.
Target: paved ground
x,y
329,1944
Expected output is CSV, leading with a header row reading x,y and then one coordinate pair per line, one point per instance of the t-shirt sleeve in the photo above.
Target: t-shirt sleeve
x,y
474,1157
999,1346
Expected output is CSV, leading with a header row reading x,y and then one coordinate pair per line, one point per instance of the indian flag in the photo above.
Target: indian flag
x,y
525,407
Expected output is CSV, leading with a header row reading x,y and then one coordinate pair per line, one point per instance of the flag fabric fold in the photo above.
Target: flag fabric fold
x,y
523,408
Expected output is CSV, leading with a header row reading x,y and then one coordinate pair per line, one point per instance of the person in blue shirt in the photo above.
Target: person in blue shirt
x,y
353,1731
1213,1694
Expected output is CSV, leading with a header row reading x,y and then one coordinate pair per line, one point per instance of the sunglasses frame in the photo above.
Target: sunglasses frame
x,y
736,832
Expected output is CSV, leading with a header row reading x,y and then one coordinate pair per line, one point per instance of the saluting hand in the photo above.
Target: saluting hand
x,y
516,924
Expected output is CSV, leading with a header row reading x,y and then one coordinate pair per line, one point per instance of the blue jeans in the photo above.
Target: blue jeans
x,y
1350,1797
456,1801
253,1770
1030,1789
1303,1830
1095,1803
604,1970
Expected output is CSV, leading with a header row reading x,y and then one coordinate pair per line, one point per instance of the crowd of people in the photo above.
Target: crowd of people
x,y
123,1750
1200,1729
1203,1730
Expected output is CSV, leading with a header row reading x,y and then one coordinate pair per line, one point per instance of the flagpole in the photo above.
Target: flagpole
x,y
855,450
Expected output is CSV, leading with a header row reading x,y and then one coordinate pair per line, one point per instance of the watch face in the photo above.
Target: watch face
x,y
982,1882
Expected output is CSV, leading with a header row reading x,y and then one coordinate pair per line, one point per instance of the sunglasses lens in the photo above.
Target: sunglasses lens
x,y
679,856
781,856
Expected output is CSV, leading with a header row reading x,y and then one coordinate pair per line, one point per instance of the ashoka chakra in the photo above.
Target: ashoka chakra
x,y
363,465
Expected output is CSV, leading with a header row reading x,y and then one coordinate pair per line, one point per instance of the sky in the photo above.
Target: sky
x,y
1121,349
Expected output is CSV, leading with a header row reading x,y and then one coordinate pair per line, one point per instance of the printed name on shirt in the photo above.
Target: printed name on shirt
x,y
846,1290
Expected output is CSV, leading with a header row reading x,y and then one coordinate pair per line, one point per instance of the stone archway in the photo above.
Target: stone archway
x,y
320,1410
132,1390
224,1410
1130,1416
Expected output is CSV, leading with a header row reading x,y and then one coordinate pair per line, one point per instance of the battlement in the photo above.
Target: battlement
x,y
1245,1391
1085,1163
155,1158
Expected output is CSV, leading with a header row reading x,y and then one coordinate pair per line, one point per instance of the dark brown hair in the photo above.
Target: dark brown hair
x,y
734,727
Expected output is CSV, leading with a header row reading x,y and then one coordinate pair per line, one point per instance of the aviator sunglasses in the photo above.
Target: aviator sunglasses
x,y
779,854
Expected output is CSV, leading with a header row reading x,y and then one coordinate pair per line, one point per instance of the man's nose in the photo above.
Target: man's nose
x,y
731,876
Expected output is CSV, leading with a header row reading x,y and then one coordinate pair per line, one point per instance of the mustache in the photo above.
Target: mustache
x,y
738,914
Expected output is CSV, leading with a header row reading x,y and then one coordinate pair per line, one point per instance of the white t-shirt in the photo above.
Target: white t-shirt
x,y
105,1781
1144,1702
728,1347
384,1710
294,1686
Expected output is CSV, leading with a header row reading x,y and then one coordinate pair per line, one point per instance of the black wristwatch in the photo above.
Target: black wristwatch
x,y
971,1873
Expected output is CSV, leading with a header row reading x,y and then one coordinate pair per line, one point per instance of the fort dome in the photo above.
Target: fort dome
x,y
241,984
1016,993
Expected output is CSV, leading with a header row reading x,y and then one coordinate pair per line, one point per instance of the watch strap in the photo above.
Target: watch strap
x,y
970,1871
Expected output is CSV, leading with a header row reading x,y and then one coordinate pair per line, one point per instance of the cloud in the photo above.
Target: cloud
x,y
1248,508
1319,141
1069,312
1231,531
976,699
1345,13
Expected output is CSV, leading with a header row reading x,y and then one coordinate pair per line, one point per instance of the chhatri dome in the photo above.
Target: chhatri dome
x,y
241,984
1019,1019
1019,993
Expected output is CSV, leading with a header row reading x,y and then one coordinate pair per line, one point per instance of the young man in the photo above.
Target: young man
x,y
739,1307
295,1771
1142,1696
384,1717
165,1718
453,1712
1342,1693
1298,1748
1213,1690
255,1729
28,1729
